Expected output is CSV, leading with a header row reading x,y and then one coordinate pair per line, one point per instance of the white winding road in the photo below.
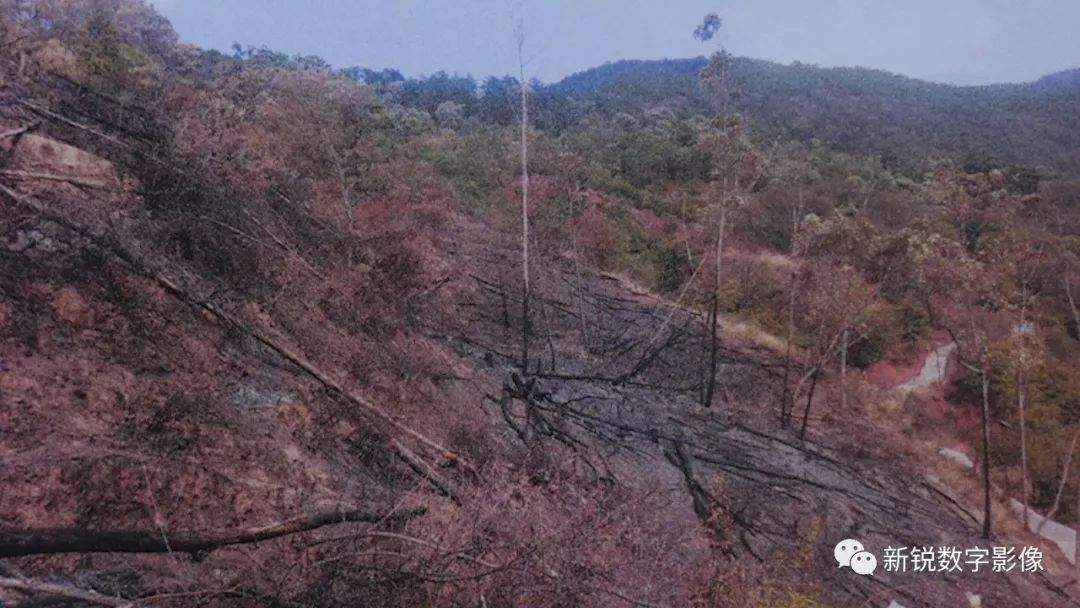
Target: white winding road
x,y
933,369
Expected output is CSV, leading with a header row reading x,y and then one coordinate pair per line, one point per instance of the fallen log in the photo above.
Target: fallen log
x,y
15,542
701,499
66,591
71,179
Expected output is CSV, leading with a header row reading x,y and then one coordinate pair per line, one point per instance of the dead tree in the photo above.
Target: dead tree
x,y
985,383
710,386
710,510
786,399
524,199
714,78
700,498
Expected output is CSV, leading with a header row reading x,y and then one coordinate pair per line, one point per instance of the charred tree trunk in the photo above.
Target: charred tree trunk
x,y
785,395
710,380
1021,399
809,402
710,384
700,498
17,542
843,371
986,450
786,398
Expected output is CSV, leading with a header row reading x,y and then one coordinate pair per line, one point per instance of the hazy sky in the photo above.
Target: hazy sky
x,y
962,41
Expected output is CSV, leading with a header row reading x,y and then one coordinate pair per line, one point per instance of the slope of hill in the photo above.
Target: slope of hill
x,y
178,433
861,110
265,341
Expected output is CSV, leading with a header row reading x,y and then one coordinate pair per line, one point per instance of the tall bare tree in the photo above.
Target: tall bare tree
x,y
714,78
525,296
786,399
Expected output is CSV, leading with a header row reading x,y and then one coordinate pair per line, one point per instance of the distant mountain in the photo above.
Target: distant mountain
x,y
1065,79
862,110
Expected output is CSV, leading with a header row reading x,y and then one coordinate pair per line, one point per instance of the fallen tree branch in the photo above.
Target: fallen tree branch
x,y
53,115
15,542
700,497
83,595
233,230
952,502
19,131
71,179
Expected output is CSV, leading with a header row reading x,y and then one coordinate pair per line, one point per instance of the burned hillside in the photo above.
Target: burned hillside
x,y
265,341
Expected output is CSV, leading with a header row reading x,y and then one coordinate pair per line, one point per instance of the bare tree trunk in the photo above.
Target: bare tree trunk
x,y
710,380
809,402
1021,378
710,387
786,398
1024,480
586,335
343,183
524,202
789,338
986,448
701,369
843,371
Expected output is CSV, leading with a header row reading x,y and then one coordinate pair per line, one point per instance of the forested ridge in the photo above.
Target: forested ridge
x,y
904,120
278,333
